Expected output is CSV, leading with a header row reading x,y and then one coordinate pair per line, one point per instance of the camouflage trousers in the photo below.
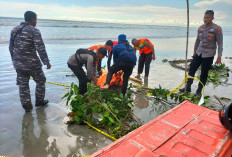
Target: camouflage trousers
x,y
23,77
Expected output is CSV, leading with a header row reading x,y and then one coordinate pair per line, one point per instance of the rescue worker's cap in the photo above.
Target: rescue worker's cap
x,y
211,12
109,43
102,50
122,38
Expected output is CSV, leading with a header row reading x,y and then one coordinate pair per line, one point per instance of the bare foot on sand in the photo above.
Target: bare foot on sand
x,y
138,76
105,87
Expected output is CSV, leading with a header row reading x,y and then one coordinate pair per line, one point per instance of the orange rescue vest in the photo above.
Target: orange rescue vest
x,y
95,47
142,48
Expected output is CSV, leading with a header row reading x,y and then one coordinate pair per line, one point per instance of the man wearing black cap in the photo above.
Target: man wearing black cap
x,y
208,39
25,42
109,47
90,59
124,59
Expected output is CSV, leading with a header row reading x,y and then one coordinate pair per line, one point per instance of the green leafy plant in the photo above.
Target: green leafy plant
x,y
164,60
174,99
102,108
160,93
219,67
225,99
217,73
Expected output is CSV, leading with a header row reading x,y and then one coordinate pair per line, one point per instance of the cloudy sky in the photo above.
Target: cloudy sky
x,y
156,12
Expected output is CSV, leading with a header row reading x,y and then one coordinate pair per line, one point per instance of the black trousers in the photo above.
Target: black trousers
x,y
206,64
144,59
108,63
83,80
126,67
109,60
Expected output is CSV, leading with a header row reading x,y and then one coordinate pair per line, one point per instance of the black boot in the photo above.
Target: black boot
x,y
41,103
188,88
198,91
28,107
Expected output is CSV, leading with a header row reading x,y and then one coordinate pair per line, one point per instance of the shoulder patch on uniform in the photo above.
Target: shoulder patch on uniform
x,y
219,30
201,29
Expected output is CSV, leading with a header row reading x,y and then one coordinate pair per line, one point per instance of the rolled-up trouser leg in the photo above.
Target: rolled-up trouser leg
x,y
141,63
40,79
24,90
148,58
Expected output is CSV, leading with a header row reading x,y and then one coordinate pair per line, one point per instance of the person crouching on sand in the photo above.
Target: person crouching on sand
x,y
90,59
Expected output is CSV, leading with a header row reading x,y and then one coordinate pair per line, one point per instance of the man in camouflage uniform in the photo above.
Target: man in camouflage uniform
x,y
24,42
208,38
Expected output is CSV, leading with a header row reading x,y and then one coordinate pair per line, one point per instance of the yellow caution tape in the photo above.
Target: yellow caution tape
x,y
62,70
203,93
58,84
177,87
98,130
173,91
55,83
138,85
113,138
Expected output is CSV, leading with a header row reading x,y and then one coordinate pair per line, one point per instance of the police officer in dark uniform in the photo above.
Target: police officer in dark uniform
x,y
25,40
209,37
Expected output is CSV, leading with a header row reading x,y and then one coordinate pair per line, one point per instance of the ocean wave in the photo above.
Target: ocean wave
x,y
81,24
87,26
4,41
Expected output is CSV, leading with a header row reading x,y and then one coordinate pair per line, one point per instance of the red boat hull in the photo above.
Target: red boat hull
x,y
186,130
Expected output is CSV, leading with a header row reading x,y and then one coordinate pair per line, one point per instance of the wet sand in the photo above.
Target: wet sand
x,y
43,132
